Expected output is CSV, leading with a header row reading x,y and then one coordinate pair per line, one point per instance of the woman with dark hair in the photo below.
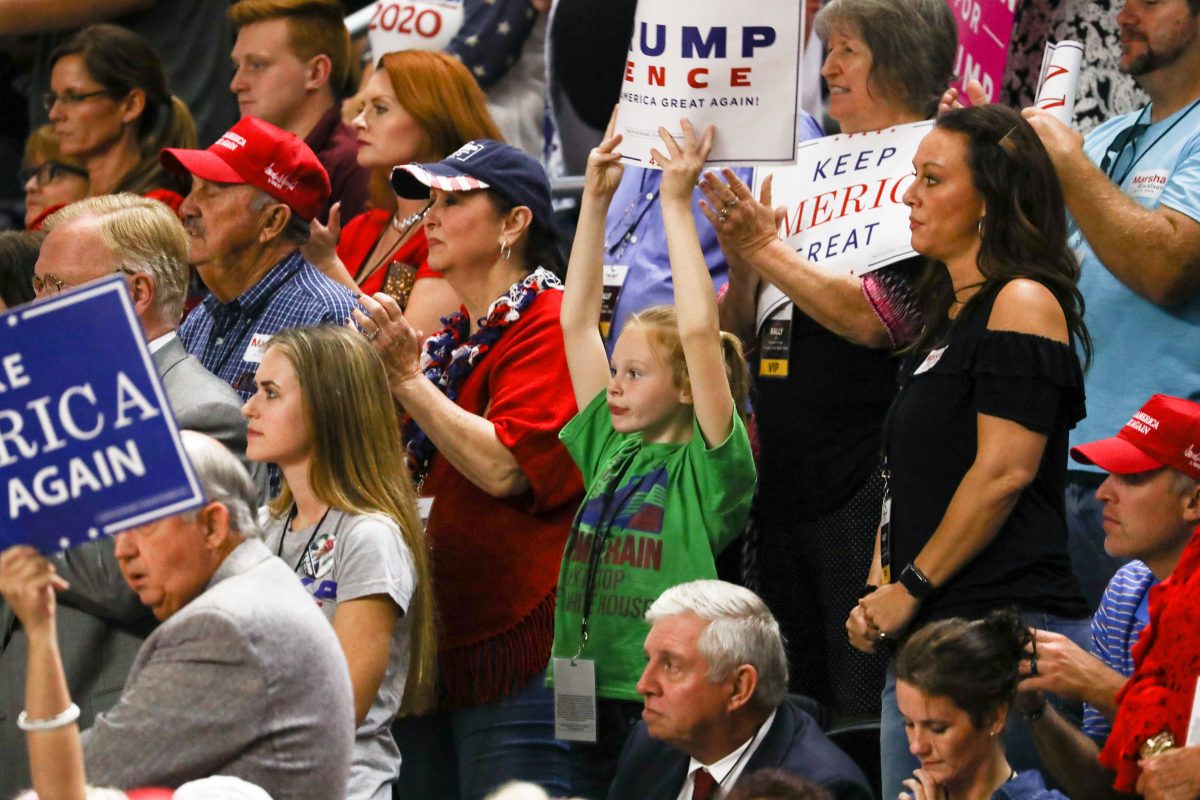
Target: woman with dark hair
x,y
955,681
112,110
484,400
975,442
820,485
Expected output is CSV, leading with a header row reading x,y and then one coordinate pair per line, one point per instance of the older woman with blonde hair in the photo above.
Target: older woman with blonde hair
x,y
346,519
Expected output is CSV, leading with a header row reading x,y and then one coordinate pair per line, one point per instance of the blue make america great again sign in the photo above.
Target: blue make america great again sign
x,y
88,443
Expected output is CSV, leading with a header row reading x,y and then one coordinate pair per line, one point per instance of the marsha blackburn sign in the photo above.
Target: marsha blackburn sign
x,y
735,65
88,443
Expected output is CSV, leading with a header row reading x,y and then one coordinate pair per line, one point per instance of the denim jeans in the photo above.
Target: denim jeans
x,y
897,763
469,752
1093,567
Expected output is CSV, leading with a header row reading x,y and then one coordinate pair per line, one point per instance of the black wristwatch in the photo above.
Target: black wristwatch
x,y
915,582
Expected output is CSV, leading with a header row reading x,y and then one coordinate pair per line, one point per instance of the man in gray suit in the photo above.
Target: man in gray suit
x,y
244,677
101,623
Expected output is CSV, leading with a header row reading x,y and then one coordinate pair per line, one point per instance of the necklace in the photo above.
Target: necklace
x,y
402,227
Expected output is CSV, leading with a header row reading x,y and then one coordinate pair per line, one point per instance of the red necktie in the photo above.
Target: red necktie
x,y
704,785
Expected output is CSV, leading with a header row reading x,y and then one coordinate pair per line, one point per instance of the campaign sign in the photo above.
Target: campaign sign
x,y
1059,79
413,25
984,34
88,443
732,65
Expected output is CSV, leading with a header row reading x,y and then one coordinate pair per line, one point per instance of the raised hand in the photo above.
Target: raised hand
x,y
392,337
321,248
681,165
604,167
28,582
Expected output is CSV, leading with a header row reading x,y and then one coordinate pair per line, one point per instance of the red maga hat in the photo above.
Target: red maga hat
x,y
1164,433
259,154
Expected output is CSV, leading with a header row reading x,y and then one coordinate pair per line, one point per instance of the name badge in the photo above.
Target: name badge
x,y
1148,185
934,357
614,280
257,348
885,538
575,699
775,344
424,509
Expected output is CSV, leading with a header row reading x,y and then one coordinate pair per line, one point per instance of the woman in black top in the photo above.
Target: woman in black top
x,y
976,440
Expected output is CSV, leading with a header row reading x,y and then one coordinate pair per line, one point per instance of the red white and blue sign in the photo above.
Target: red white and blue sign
x,y
88,441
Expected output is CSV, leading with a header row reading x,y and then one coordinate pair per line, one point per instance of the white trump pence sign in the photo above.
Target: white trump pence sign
x,y
732,65
844,201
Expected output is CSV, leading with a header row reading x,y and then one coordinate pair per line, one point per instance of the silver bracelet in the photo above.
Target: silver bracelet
x,y
60,720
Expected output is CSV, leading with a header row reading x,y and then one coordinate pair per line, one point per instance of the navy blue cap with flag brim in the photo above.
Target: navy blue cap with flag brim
x,y
481,164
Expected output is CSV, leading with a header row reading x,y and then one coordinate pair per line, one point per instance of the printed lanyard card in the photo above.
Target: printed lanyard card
x,y
614,280
575,699
775,344
885,538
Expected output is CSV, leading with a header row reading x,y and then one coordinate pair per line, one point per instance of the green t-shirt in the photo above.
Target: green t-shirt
x,y
656,514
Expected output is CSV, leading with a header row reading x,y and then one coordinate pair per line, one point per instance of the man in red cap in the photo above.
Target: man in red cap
x,y
254,192
1151,506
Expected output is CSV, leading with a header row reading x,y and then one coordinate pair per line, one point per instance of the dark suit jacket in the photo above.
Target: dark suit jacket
x,y
101,623
651,770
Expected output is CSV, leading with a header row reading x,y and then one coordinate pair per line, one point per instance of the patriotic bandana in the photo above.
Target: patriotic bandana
x,y
452,354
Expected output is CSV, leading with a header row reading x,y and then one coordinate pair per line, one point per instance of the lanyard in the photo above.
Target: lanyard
x,y
305,556
609,479
1150,147
625,237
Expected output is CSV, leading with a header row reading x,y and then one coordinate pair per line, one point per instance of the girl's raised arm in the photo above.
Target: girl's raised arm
x,y
580,318
695,301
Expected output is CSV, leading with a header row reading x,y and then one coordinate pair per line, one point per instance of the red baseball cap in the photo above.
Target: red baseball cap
x,y
1164,433
259,154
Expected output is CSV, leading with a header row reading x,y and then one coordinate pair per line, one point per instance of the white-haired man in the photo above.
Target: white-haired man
x,y
100,620
244,676
716,705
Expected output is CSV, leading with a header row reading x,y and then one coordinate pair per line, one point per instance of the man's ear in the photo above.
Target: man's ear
x,y
743,683
317,72
273,220
215,518
1191,504
141,291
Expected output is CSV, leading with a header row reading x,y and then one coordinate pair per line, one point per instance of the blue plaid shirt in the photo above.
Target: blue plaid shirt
x,y
228,338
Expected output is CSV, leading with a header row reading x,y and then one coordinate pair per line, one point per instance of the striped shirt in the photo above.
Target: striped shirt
x,y
1115,629
229,338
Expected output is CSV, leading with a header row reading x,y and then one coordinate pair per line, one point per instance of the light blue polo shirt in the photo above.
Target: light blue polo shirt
x,y
1140,348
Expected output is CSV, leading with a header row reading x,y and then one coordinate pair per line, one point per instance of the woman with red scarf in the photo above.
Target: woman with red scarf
x,y
485,399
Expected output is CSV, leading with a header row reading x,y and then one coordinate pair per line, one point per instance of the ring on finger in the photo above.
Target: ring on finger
x,y
1033,670
371,336
733,202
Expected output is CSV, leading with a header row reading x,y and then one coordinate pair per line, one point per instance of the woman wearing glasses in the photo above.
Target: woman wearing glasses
x,y
112,111
51,179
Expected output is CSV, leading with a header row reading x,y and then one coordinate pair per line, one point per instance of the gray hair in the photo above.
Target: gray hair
x,y
145,236
913,45
296,231
1182,484
225,481
741,630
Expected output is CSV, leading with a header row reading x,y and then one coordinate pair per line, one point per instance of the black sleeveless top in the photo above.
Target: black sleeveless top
x,y
930,440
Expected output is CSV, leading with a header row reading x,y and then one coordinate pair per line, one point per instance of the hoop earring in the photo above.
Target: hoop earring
x,y
505,250
981,226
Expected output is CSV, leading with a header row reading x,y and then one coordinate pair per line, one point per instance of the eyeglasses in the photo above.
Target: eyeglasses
x,y
49,171
70,99
1123,141
48,285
